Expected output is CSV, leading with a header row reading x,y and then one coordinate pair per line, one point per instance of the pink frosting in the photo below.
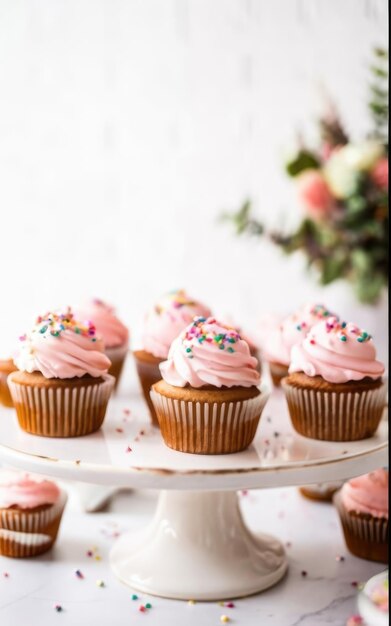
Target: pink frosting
x,y
338,352
210,353
113,332
25,491
61,347
279,341
367,494
167,319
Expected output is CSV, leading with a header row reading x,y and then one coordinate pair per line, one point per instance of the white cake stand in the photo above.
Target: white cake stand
x,y
197,546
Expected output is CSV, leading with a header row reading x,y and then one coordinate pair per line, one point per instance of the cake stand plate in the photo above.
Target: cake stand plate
x,y
197,546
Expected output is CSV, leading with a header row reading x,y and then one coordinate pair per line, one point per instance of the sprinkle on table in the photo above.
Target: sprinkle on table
x,y
339,558
100,583
128,449
303,573
191,602
58,608
224,619
134,596
6,575
79,574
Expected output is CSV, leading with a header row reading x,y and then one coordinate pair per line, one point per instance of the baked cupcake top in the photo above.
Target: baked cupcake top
x,y
167,319
59,346
24,491
280,340
338,352
209,353
367,494
113,332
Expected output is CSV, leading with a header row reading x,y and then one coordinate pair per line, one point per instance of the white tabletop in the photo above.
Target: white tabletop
x,y
324,596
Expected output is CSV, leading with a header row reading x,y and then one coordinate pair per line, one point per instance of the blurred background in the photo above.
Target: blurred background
x,y
127,127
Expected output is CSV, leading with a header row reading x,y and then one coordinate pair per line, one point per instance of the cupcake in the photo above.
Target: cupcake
x,y
334,389
113,332
171,314
208,401
321,492
279,340
362,504
6,367
61,388
30,514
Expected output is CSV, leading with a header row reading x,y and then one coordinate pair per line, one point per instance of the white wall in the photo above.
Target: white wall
x,y
126,126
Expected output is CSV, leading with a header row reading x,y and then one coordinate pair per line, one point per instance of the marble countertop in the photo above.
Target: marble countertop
x,y
319,589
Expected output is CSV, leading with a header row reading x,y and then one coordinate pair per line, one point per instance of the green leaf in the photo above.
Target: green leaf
x,y
332,268
305,160
362,261
368,288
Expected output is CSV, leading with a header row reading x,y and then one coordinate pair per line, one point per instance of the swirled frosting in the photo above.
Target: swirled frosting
x,y
367,494
170,315
279,341
24,491
210,353
338,352
113,332
59,346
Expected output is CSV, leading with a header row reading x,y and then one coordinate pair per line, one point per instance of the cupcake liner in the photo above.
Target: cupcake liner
x,y
335,416
63,411
117,357
149,374
278,371
25,533
366,536
208,428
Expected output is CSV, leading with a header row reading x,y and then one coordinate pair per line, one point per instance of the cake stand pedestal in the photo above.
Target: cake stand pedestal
x,y
197,547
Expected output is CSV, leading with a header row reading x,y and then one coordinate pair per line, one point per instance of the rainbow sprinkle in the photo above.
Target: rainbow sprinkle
x,y
176,299
343,329
53,324
199,332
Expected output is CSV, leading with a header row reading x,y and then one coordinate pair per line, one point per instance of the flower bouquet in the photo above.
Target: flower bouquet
x,y
343,188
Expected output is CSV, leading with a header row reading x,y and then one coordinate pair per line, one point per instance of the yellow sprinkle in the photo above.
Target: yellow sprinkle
x,y
224,619
221,603
98,558
191,602
100,583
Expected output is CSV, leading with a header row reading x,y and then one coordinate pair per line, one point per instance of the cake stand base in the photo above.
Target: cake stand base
x,y
198,548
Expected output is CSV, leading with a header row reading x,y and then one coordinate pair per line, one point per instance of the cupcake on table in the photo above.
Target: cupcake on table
x,y
109,327
278,341
61,387
335,390
209,401
163,323
30,514
362,504
6,367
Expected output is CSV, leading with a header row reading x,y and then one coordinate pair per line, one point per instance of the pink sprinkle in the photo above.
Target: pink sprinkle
x,y
354,583
230,605
339,558
304,573
142,432
22,338
141,609
126,411
128,449
6,575
312,342
119,430
89,553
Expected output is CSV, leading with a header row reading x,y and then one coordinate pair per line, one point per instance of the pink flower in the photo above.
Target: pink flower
x,y
380,173
315,194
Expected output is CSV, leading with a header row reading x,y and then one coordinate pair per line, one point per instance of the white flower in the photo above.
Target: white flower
x,y
340,175
362,156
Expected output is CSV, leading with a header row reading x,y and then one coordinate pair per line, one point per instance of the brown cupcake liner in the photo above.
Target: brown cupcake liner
x,y
366,536
208,428
25,533
278,371
335,416
117,357
149,374
64,411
